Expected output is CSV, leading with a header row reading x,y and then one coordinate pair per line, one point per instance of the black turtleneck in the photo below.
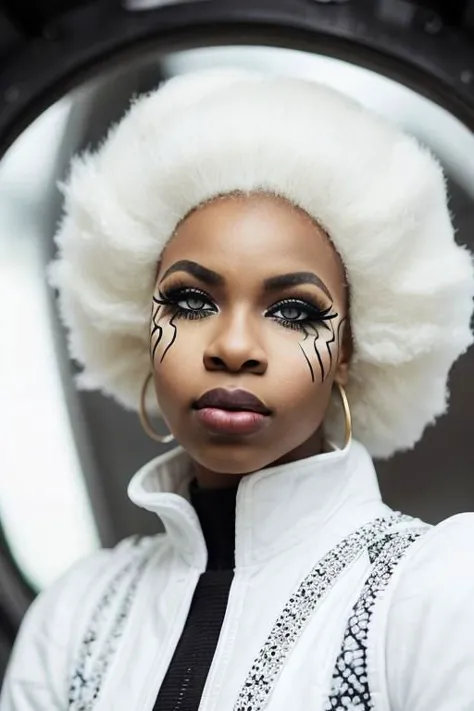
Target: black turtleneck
x,y
216,512
184,681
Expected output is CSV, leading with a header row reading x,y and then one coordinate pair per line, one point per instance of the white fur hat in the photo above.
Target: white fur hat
x,y
379,195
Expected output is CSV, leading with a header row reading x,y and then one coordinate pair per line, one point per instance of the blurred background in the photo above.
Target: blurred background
x,y
67,71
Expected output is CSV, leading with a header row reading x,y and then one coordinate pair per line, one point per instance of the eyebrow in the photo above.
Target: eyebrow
x,y
212,278
294,279
202,273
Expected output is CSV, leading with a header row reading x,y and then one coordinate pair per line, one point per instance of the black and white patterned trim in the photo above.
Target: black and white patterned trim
x,y
350,685
266,668
100,641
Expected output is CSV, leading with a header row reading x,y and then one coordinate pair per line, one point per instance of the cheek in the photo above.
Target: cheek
x,y
315,351
296,371
177,375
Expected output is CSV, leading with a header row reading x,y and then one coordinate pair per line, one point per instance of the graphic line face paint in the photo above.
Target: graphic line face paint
x,y
156,327
318,354
331,340
308,361
173,325
328,325
159,329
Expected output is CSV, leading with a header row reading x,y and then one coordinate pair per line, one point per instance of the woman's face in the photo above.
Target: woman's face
x,y
250,295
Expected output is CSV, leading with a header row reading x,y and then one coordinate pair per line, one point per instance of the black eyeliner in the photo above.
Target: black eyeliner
x,y
306,304
169,297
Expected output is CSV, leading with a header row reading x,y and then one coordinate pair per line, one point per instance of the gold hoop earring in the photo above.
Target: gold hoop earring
x,y
142,413
347,415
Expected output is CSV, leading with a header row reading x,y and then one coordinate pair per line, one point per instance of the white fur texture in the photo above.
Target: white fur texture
x,y
379,194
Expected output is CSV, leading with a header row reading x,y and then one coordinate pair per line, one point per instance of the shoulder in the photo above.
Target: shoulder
x,y
81,585
443,555
429,618
438,568
56,619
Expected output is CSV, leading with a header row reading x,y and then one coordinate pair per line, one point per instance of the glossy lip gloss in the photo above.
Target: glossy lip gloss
x,y
231,411
231,421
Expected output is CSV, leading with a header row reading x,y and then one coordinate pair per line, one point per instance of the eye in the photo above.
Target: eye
x,y
187,302
294,313
192,303
291,313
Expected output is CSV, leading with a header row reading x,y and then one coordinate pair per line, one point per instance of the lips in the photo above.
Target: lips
x,y
231,413
232,400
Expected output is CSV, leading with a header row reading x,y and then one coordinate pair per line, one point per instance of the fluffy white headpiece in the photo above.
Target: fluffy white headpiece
x,y
379,195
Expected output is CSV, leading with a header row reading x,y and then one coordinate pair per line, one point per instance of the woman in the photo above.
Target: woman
x,y
252,247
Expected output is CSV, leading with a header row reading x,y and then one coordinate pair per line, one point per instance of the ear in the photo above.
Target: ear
x,y
341,375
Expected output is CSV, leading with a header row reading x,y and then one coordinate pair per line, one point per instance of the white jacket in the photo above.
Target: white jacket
x,y
103,636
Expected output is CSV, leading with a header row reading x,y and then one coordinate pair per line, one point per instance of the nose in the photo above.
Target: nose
x,y
235,347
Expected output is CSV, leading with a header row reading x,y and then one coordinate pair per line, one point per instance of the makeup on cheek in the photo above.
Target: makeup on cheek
x,y
334,333
158,331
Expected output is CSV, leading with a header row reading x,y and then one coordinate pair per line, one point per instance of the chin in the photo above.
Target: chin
x,y
232,457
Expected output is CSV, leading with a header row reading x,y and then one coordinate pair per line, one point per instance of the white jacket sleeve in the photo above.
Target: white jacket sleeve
x,y
430,625
37,676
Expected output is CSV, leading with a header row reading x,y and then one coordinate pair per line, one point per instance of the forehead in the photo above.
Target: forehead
x,y
249,238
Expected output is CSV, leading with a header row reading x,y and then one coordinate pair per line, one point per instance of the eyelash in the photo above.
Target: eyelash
x,y
172,297
315,314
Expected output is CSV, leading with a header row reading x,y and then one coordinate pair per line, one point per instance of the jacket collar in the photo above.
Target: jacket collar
x,y
276,507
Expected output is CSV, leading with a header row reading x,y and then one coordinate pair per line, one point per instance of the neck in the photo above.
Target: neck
x,y
208,479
